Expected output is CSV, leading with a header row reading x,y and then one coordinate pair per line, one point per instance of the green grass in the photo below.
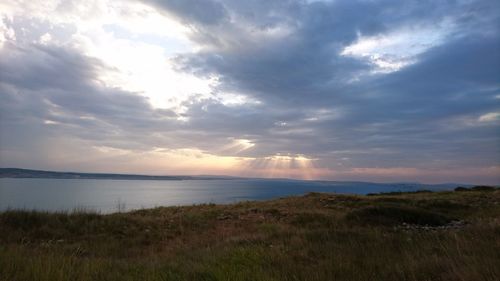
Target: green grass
x,y
406,236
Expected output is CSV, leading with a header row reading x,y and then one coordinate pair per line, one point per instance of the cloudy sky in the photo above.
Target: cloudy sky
x,y
384,90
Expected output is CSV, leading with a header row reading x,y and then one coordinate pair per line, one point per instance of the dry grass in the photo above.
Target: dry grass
x,y
313,237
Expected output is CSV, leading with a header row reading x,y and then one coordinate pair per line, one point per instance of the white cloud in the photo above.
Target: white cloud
x,y
397,49
6,33
146,69
489,117
232,99
45,39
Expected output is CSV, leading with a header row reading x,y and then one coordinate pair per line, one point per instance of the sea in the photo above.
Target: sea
x,y
109,195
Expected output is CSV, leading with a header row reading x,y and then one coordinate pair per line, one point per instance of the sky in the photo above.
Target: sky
x,y
387,91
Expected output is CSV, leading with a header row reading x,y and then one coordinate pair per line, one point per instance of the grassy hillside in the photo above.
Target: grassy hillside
x,y
408,236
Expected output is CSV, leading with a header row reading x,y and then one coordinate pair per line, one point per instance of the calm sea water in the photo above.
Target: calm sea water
x,y
108,196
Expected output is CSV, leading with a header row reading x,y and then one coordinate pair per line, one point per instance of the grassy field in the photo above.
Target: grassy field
x,y
408,236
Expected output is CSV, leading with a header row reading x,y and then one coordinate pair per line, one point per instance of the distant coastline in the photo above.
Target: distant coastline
x,y
43,174
28,173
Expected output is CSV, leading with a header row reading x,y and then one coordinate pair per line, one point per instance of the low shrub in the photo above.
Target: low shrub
x,y
442,205
395,193
483,188
395,215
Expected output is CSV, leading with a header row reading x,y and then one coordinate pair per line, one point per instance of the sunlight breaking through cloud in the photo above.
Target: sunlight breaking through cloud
x,y
285,166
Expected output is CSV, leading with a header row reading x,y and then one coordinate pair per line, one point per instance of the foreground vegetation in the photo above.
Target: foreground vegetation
x,y
401,236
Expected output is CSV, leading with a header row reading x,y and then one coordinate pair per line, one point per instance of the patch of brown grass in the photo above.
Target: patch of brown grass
x,y
312,237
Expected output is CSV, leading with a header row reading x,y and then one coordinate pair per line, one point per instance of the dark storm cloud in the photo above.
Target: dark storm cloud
x,y
56,84
38,67
305,65
193,11
64,79
414,117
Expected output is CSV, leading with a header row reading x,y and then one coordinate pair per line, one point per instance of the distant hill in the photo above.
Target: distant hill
x,y
27,173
